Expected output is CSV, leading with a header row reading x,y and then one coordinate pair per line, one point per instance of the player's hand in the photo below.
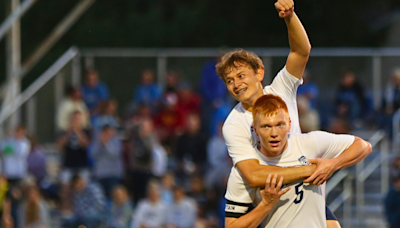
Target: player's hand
x,y
272,192
325,169
285,8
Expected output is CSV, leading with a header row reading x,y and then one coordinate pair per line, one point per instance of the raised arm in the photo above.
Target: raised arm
x,y
255,174
300,46
357,151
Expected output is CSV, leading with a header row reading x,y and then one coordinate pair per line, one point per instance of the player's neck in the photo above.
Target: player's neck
x,y
272,154
248,104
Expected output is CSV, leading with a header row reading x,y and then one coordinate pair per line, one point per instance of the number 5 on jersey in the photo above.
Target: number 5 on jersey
x,y
299,193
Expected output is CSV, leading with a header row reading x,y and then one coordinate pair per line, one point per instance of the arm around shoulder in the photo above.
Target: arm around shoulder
x,y
256,174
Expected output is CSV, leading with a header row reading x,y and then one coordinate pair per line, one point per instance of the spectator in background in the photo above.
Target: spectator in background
x,y
219,164
142,144
308,117
167,183
37,161
107,153
94,91
349,97
73,102
88,204
169,121
148,92
172,82
188,100
14,153
309,90
183,212
191,150
198,192
392,202
120,214
34,212
74,146
213,92
150,212
107,116
391,101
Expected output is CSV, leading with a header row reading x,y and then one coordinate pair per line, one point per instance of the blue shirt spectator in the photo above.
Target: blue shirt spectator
x,y
392,202
148,92
94,91
212,88
183,212
309,90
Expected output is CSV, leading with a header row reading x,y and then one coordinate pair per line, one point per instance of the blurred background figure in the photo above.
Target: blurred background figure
x,y
182,213
121,211
107,115
188,100
73,102
390,102
392,202
150,212
167,184
309,90
74,146
94,91
169,121
213,92
14,153
191,150
308,117
219,162
88,204
34,212
349,97
36,161
148,93
143,142
108,165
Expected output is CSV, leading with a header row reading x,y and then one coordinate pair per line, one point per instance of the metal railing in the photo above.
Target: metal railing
x,y
13,106
396,131
345,197
362,173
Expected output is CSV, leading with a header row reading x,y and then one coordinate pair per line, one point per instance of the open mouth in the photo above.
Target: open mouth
x,y
241,91
274,143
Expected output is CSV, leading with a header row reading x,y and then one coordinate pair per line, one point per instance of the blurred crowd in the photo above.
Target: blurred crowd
x,y
164,163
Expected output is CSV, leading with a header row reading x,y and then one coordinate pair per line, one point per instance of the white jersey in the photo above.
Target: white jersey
x,y
303,206
237,130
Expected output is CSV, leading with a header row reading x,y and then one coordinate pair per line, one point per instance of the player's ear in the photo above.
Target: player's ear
x,y
260,74
254,129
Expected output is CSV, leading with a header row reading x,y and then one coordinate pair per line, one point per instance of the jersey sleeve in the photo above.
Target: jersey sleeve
x,y
285,85
331,145
239,196
239,144
236,210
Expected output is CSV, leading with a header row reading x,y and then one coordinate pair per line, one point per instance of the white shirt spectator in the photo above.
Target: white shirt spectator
x,y
66,108
160,161
14,153
150,215
182,214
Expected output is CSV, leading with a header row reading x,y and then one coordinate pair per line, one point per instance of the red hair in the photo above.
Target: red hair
x,y
268,105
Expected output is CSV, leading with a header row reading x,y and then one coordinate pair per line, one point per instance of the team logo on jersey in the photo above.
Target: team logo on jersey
x,y
303,160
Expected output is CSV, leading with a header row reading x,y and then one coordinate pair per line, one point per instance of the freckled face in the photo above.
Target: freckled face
x,y
273,132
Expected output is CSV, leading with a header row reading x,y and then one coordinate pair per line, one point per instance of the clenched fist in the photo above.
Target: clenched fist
x,y
285,8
